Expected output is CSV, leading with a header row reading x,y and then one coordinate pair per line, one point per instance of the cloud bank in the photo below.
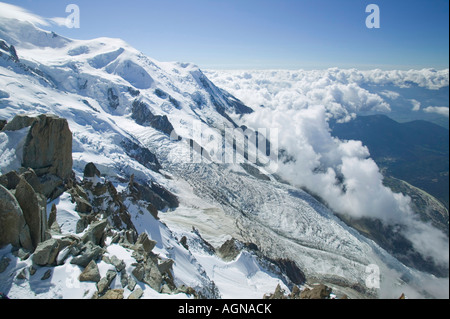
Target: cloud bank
x,y
301,103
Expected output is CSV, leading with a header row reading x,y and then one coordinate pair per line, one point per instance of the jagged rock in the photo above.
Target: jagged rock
x,y
113,98
154,194
95,233
113,294
124,279
318,292
147,243
90,171
183,242
139,272
46,253
143,116
90,273
23,274
278,294
291,270
47,274
19,122
4,264
89,252
295,293
3,124
82,205
52,186
48,147
152,275
105,282
52,216
30,176
117,263
13,52
10,180
229,250
137,294
165,289
166,266
52,224
33,208
141,154
131,283
12,221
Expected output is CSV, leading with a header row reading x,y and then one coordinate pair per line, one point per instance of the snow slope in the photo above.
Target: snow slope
x,y
97,85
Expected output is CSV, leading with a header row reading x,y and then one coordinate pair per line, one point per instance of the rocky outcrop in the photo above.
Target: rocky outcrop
x,y
141,154
3,124
143,116
13,229
48,147
46,253
19,122
229,250
90,273
33,206
318,292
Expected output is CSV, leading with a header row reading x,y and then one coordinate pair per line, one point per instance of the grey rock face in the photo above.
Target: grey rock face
x,y
90,273
48,147
19,122
33,211
95,233
143,116
12,222
46,253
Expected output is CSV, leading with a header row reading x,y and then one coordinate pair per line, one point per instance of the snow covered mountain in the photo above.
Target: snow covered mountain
x,y
138,121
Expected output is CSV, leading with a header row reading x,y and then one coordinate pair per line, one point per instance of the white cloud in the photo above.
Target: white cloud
x,y
10,11
390,94
442,110
300,103
416,105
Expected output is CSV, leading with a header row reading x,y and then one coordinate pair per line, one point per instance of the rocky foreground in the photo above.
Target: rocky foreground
x,y
35,238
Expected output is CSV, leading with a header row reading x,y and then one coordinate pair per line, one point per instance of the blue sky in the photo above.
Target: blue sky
x,y
239,34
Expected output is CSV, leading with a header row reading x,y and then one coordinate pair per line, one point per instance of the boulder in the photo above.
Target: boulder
x,y
12,221
89,252
46,253
137,294
147,243
19,122
90,171
318,292
48,147
95,233
34,211
229,250
113,294
105,282
152,275
117,263
10,180
90,273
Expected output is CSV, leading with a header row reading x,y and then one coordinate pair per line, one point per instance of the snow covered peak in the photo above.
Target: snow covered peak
x,y
25,34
